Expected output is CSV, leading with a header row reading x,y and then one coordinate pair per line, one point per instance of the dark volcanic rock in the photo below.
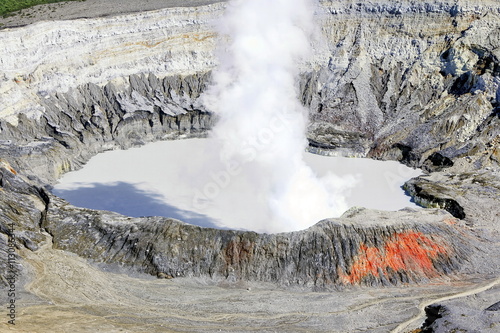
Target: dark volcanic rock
x,y
463,318
23,208
439,161
430,194
493,307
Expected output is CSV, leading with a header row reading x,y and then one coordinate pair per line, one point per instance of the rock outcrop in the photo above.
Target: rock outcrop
x,y
417,82
44,58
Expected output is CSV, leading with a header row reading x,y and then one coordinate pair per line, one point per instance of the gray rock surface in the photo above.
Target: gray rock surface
x,y
407,81
477,313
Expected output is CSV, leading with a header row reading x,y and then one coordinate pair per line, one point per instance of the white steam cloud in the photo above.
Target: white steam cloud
x,y
261,125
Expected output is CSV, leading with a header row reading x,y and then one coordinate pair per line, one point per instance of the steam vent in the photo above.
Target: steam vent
x,y
414,82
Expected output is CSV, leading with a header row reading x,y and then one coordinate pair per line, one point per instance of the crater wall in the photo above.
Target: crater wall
x,y
414,82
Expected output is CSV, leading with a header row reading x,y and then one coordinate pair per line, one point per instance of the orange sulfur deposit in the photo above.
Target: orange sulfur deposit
x,y
405,251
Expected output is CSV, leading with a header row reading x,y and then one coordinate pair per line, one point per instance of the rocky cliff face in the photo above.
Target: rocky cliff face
x,y
416,82
413,80
44,58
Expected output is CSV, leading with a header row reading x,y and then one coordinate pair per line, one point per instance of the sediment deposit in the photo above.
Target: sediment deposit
x,y
407,81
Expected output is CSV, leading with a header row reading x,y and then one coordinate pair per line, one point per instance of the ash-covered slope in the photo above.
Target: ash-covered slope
x,y
416,82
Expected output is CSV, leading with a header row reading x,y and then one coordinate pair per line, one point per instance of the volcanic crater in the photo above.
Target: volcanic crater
x,y
413,82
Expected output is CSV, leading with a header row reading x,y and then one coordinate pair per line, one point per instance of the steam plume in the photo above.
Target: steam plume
x,y
261,125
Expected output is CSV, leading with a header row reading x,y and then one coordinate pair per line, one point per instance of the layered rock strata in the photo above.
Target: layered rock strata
x,y
414,82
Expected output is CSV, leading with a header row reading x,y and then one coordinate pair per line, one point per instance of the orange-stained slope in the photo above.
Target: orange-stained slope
x,y
404,251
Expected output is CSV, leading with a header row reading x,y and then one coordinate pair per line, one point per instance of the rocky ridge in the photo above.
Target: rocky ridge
x,y
414,82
